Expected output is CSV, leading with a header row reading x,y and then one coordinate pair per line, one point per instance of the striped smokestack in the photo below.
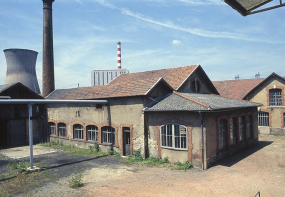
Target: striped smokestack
x,y
48,61
119,55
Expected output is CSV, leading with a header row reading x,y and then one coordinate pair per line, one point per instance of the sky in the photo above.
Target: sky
x,y
155,34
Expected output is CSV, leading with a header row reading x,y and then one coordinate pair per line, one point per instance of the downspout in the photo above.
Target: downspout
x,y
202,140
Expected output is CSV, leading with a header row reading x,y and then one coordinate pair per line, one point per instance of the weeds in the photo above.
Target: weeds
x,y
93,152
76,180
182,166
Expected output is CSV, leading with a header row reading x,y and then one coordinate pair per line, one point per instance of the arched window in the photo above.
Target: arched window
x,y
62,129
51,128
275,97
92,133
195,86
78,131
108,135
233,130
242,128
223,130
173,136
249,127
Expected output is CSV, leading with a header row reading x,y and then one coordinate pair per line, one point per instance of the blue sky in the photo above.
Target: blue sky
x,y
155,34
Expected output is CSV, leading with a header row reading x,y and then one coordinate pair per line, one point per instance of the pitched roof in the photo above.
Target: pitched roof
x,y
122,89
239,89
131,84
174,76
198,102
6,86
236,89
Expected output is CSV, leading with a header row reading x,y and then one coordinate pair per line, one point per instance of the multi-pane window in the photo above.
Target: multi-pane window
x,y
241,128
263,119
51,128
92,133
223,125
249,127
61,129
173,136
108,135
275,97
233,130
78,131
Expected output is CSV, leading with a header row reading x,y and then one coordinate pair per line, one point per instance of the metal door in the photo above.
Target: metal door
x,y
17,132
126,141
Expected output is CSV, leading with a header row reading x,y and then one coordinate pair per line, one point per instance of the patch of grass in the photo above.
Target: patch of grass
x,y
182,166
23,183
155,161
76,180
72,150
20,167
2,156
135,158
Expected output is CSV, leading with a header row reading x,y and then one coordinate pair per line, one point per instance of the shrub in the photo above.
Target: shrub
x,y
96,146
182,166
76,180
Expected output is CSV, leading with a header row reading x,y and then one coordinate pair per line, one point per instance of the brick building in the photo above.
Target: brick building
x,y
268,91
175,113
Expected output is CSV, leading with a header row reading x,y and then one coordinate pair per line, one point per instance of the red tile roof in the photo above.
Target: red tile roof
x,y
236,89
132,84
174,76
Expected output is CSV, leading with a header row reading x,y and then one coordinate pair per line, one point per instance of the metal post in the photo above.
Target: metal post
x,y
30,108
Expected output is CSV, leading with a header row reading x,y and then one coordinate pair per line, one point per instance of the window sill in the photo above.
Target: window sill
x,y
175,149
78,140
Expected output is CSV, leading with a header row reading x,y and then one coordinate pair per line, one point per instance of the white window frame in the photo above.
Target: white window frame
x,y
78,132
92,133
275,97
172,137
263,119
51,128
61,129
107,139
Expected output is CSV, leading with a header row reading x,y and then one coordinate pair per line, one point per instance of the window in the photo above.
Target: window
x,y
233,130
61,129
99,106
195,86
223,124
92,133
51,128
275,97
249,127
174,136
78,132
241,128
108,135
263,119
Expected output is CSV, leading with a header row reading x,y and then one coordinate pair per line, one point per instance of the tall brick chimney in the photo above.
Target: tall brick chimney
x,y
48,62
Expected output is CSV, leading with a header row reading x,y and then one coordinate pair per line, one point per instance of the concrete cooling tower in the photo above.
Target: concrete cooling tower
x,y
21,67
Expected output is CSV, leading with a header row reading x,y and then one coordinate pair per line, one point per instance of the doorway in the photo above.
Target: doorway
x,y
3,133
126,141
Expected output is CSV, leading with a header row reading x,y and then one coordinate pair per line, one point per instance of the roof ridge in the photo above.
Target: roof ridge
x,y
239,79
158,69
191,99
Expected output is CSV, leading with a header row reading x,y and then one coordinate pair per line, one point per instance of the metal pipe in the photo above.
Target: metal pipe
x,y
5,97
50,101
30,108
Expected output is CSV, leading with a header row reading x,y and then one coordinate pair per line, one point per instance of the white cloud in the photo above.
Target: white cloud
x,y
176,42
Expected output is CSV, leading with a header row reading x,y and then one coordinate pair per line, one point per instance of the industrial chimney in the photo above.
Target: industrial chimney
x,y
21,67
119,55
48,61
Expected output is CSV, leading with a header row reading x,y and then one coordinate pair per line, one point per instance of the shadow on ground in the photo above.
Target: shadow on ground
x,y
237,157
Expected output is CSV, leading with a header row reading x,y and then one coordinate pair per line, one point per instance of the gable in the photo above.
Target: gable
x,y
198,75
18,91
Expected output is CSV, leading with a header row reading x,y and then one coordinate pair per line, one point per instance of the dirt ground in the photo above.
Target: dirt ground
x,y
261,168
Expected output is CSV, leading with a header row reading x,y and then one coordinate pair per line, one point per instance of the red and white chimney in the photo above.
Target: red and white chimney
x,y
119,55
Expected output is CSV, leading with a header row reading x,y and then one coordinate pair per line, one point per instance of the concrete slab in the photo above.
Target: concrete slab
x,y
24,151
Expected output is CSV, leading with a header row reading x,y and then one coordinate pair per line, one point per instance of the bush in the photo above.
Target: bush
x,y
76,180
182,166
96,146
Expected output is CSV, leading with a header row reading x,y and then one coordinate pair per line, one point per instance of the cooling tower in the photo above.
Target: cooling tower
x,y
21,67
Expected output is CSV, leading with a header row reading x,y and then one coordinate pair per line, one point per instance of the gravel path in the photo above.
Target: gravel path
x,y
259,169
